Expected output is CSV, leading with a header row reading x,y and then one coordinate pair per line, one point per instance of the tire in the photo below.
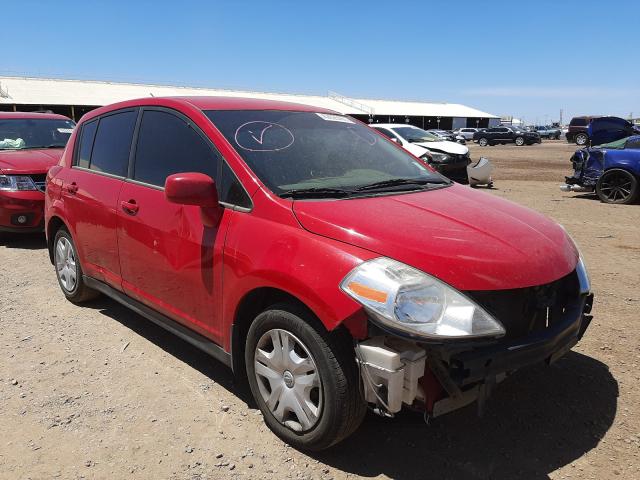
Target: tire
x,y
617,186
582,139
519,141
67,265
334,404
483,142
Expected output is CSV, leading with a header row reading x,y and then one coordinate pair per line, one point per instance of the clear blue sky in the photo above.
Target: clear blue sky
x,y
524,58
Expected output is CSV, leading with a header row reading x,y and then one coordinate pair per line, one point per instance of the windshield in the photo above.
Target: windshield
x,y
317,152
22,133
416,135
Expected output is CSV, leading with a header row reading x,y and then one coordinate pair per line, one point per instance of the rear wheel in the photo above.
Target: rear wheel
x,y
305,380
617,186
519,141
483,142
582,139
68,269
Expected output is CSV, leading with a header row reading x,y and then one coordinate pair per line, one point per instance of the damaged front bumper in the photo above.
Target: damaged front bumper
x,y
440,378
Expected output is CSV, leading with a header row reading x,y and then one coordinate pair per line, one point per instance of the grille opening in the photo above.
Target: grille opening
x,y
523,311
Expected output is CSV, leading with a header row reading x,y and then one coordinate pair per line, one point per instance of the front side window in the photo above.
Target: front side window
x,y
110,153
414,135
385,132
167,144
316,153
33,133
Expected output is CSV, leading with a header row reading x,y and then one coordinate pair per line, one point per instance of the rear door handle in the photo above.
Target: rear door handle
x,y
130,207
72,188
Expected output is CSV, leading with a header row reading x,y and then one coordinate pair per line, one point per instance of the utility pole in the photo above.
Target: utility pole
x,y
561,124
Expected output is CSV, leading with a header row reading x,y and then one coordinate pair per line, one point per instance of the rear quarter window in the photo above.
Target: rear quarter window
x,y
578,122
85,143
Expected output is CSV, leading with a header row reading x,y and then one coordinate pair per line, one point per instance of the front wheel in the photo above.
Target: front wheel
x,y
519,141
617,186
68,269
304,379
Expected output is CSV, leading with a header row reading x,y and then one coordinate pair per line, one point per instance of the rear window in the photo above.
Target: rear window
x,y
112,143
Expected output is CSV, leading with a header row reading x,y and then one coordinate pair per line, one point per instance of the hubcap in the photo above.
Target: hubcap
x,y
66,266
288,379
616,187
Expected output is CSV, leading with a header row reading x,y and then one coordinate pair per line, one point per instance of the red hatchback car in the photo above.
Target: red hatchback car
x,y
30,143
322,262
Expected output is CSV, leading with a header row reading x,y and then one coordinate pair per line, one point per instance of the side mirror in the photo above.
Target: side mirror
x,y
394,139
194,189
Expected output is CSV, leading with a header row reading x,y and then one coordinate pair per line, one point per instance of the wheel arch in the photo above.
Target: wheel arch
x,y
53,225
261,298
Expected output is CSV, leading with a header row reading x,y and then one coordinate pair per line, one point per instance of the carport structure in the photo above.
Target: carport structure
x,y
74,98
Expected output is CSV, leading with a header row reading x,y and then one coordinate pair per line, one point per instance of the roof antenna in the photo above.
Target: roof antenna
x,y
151,94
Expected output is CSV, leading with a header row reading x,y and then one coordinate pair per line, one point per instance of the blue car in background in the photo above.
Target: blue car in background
x,y
611,169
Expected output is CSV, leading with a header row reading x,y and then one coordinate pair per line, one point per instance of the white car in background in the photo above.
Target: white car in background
x,y
466,132
449,158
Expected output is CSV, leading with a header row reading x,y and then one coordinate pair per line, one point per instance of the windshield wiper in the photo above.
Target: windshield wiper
x,y
401,181
316,192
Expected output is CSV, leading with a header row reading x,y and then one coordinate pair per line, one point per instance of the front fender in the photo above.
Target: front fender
x,y
304,265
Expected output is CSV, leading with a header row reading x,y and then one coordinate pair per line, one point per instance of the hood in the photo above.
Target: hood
x,y
16,162
471,240
445,146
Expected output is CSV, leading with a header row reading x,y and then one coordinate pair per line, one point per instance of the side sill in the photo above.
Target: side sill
x,y
195,339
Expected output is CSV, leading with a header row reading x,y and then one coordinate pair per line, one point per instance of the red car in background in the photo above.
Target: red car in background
x,y
326,265
30,143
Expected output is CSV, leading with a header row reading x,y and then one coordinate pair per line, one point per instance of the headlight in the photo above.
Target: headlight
x,y
16,183
581,270
402,298
583,276
440,157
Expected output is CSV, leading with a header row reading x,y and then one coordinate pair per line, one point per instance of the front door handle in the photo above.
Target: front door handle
x,y
72,188
130,207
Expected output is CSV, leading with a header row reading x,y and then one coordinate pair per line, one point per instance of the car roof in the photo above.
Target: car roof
x,y
27,115
210,103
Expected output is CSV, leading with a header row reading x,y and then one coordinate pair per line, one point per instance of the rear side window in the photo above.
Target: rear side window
x,y
578,122
87,134
112,143
166,145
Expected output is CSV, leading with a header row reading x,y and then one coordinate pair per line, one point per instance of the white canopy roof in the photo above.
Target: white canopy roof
x,y
47,91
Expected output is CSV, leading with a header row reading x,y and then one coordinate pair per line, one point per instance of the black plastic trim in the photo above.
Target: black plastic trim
x,y
199,341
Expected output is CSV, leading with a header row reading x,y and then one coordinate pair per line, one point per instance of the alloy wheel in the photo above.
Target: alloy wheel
x,y
616,187
288,379
66,266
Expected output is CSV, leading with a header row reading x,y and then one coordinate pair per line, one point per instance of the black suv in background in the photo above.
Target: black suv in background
x,y
577,132
504,135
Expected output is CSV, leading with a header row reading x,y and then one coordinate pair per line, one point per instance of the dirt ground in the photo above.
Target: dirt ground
x,y
100,392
